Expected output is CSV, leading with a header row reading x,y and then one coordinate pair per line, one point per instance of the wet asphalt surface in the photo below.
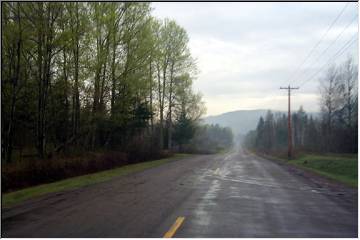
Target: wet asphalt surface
x,y
230,195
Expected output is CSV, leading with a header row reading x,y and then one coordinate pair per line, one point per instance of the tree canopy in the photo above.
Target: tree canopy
x,y
90,75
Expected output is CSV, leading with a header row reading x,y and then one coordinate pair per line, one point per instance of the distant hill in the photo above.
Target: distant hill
x,y
241,121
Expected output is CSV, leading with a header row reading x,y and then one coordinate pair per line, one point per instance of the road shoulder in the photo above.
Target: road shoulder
x,y
341,193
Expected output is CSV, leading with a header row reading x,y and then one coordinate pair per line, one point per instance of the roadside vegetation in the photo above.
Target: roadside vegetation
x,y
15,197
205,139
89,86
342,168
333,130
339,167
24,174
321,142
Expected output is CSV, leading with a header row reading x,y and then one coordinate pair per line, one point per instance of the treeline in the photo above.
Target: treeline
x,y
210,138
80,76
334,130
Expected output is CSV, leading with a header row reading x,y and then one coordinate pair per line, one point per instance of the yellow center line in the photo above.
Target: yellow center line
x,y
174,227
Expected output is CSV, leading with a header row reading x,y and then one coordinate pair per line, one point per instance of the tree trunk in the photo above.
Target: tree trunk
x,y
113,81
161,109
40,129
170,107
151,99
76,97
66,117
10,130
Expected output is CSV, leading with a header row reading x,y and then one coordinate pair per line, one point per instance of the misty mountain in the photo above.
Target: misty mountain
x,y
241,121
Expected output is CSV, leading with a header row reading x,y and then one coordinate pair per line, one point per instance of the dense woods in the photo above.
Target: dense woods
x,y
91,86
334,130
87,76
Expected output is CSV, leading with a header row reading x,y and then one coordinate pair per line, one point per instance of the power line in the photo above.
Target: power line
x,y
333,58
341,51
318,43
334,41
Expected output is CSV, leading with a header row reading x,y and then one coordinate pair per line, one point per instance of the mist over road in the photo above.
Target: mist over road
x,y
229,195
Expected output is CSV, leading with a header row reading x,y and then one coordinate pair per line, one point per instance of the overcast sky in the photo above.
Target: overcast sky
x,y
245,51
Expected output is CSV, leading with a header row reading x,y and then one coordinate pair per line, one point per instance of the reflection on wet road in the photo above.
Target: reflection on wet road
x,y
252,197
226,195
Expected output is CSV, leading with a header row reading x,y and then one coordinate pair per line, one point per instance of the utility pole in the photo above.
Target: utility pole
x,y
289,120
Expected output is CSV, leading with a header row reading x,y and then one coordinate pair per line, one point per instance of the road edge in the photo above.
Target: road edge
x,y
44,190
309,174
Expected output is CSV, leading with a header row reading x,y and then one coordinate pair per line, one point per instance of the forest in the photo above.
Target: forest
x,y
333,130
107,80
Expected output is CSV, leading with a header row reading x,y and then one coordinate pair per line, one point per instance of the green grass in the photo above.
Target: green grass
x,y
12,198
343,168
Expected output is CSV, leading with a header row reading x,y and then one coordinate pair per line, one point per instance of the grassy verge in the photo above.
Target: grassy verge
x,y
12,198
340,168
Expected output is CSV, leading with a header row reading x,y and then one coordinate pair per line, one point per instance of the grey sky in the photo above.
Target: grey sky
x,y
245,51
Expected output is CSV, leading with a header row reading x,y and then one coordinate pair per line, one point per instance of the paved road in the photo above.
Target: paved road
x,y
230,195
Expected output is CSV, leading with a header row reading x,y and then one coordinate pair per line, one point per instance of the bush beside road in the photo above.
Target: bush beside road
x,y
12,198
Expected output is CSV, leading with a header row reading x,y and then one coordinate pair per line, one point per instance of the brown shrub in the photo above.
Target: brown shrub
x,y
33,172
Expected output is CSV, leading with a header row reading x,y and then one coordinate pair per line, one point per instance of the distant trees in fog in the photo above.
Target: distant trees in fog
x,y
334,130
210,139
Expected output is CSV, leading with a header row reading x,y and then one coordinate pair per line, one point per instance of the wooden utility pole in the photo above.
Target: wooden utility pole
x,y
289,120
